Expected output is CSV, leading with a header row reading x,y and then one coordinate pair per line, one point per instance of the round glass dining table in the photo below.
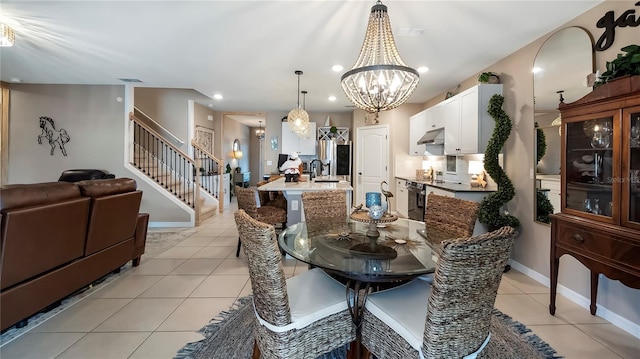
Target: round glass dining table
x,y
398,254
395,255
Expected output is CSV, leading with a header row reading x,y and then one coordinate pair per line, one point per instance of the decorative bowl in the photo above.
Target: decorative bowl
x,y
376,211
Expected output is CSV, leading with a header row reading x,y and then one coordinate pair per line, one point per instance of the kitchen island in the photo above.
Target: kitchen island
x,y
293,193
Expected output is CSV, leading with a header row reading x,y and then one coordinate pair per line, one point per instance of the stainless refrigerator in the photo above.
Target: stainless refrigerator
x,y
336,158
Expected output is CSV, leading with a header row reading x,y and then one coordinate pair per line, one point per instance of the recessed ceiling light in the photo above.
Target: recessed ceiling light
x,y
535,70
15,79
337,68
423,69
217,96
332,98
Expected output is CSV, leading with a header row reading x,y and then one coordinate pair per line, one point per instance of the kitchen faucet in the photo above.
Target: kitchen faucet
x,y
312,168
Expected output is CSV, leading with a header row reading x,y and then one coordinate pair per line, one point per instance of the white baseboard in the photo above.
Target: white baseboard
x,y
611,316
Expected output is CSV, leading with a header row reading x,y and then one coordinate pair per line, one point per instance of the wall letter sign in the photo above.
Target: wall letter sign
x,y
609,23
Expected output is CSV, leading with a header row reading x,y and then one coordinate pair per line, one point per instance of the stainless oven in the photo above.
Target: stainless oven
x,y
417,200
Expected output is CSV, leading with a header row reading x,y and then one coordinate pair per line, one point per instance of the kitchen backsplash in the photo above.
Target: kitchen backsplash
x,y
406,166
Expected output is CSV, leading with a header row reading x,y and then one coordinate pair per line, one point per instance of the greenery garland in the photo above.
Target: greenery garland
x,y
489,213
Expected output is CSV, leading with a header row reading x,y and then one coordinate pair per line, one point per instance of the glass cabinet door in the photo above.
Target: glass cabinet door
x,y
631,168
589,171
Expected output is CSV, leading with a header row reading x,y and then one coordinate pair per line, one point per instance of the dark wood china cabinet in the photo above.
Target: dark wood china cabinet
x,y
599,222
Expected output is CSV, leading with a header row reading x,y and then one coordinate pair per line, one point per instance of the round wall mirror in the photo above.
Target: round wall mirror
x,y
561,68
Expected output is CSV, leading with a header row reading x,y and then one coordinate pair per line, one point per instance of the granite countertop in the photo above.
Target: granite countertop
x,y
452,186
281,185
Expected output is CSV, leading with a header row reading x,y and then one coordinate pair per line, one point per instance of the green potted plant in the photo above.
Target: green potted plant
x,y
333,132
491,210
489,78
543,206
627,64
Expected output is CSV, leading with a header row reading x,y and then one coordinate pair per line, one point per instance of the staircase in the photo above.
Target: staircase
x,y
193,181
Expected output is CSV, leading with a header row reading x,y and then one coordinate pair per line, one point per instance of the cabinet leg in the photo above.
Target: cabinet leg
x,y
555,262
594,292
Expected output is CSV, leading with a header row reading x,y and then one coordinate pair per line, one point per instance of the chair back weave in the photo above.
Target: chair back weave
x,y
463,294
247,200
265,269
450,214
325,209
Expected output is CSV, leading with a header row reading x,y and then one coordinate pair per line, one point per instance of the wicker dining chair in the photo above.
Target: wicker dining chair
x,y
272,198
304,316
451,215
452,317
247,200
325,208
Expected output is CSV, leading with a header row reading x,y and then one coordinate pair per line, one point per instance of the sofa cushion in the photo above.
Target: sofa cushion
x,y
106,187
114,211
37,239
26,195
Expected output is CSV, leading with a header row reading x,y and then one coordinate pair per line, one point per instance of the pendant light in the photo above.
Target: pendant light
x,y
260,131
306,132
379,80
298,118
7,35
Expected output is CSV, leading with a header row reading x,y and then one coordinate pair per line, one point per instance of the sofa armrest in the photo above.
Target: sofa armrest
x,y
140,241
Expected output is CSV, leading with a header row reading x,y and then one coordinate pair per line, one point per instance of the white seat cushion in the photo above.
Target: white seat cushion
x,y
403,309
313,295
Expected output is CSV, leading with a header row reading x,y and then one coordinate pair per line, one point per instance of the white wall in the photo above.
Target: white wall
x,y
94,120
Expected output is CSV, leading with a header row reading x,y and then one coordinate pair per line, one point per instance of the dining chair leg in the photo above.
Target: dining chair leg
x,y
352,353
238,250
256,351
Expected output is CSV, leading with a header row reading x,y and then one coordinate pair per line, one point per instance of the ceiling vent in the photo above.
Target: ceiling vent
x,y
129,80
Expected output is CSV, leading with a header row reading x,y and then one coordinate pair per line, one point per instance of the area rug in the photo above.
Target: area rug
x,y
158,241
230,336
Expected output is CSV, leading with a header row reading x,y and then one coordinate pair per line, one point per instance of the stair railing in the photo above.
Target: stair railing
x,y
166,164
210,173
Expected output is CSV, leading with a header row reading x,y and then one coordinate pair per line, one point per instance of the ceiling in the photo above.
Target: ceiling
x,y
247,51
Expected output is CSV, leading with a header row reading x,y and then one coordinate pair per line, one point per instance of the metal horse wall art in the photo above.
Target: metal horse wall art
x,y
54,137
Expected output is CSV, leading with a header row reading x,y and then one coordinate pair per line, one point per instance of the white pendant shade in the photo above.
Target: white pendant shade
x,y
298,118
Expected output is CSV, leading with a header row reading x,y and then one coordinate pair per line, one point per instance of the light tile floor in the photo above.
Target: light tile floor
x,y
155,309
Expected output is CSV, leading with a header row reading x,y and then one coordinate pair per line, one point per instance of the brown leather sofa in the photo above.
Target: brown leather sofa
x,y
58,237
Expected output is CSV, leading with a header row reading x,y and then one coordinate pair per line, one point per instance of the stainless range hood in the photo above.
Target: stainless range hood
x,y
433,137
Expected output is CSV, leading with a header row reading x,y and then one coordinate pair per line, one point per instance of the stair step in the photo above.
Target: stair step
x,y
208,212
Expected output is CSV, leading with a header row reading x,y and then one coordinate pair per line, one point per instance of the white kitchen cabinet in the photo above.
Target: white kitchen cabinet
x,y
435,118
417,128
423,121
291,142
468,126
452,125
402,198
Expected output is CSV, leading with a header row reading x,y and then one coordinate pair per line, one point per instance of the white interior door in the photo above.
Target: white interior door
x,y
372,160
